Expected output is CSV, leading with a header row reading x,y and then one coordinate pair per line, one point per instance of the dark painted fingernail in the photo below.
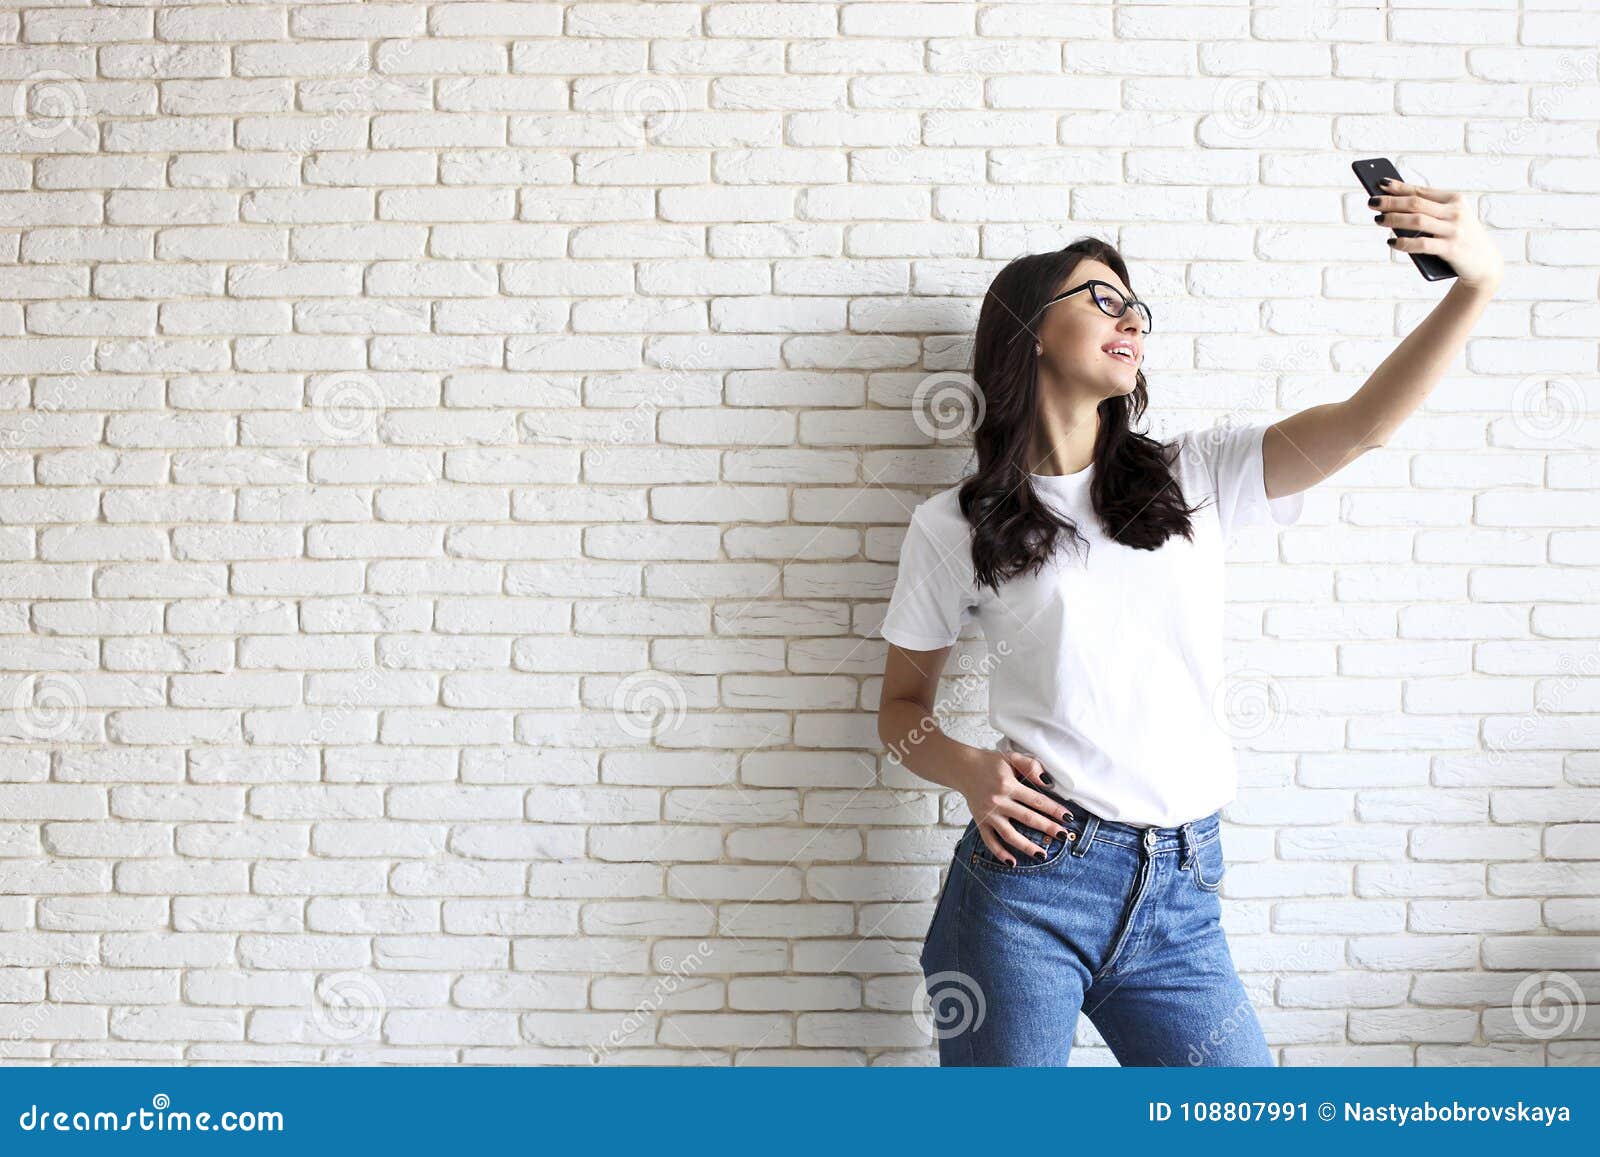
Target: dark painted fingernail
x,y
1045,776
1385,183
1066,817
1379,217
1372,202
1391,241
1038,855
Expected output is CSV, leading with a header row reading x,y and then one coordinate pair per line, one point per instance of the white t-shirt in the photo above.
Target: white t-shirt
x,y
1110,672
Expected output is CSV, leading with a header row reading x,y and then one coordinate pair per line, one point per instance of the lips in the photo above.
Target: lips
x,y
1122,354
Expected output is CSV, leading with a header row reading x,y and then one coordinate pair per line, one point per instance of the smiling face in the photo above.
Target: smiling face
x,y
1081,342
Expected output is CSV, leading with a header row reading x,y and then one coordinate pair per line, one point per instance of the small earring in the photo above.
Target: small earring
x,y
1038,349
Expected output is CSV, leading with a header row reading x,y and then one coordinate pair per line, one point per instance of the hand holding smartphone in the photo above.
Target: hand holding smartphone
x,y
1369,172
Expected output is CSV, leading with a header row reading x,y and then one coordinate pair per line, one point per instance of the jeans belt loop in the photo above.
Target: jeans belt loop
x,y
1185,844
1086,836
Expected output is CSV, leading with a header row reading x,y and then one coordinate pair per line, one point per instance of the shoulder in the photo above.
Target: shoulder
x,y
940,517
1201,450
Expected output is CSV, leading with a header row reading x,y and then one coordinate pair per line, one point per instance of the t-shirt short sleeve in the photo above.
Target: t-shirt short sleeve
x,y
933,592
1232,456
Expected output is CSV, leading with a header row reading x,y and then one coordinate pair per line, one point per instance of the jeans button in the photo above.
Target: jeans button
x,y
1150,837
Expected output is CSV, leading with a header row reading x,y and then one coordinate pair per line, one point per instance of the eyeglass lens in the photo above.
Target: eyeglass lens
x,y
1113,304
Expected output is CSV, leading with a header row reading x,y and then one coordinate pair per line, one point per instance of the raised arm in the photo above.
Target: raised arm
x,y
1307,447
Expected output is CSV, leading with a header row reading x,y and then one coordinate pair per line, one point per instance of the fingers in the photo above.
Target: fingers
x,y
1050,822
1019,845
1028,768
1006,842
1403,188
1417,244
1404,215
994,845
1036,805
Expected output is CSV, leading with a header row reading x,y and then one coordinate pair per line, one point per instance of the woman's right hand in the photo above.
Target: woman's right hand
x,y
999,791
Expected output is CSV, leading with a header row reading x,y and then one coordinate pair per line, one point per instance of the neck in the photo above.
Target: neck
x,y
1063,443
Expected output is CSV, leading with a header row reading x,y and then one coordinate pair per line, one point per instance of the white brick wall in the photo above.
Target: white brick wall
x,y
392,390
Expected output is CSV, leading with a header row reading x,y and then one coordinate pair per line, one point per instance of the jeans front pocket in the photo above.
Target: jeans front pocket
x,y
1207,865
1053,846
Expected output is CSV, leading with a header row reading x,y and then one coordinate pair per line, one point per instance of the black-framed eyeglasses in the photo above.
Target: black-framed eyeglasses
x,y
1108,297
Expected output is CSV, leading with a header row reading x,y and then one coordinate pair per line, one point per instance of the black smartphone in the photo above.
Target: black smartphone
x,y
1374,169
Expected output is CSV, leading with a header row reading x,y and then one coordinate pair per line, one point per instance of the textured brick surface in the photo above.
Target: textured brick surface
x,y
455,458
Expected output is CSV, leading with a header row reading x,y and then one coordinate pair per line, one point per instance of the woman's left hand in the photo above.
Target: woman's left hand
x,y
1452,219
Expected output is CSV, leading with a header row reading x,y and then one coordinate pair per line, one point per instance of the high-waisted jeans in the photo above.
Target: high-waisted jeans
x,y
1119,922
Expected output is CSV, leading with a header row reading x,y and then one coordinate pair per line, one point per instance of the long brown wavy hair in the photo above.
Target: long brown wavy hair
x,y
1135,494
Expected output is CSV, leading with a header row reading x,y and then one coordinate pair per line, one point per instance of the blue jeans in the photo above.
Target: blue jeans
x,y
1122,923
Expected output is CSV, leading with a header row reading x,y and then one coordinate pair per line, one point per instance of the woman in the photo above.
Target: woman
x,y
1092,557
